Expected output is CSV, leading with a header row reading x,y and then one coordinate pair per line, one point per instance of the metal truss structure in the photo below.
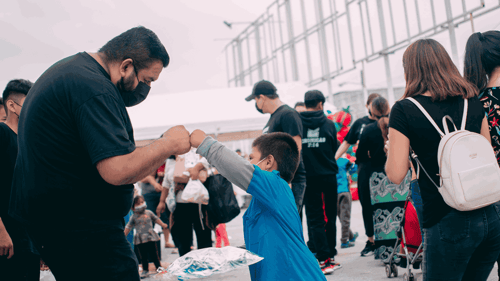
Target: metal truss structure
x,y
318,40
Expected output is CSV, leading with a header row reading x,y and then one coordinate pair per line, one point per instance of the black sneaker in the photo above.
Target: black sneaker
x,y
369,248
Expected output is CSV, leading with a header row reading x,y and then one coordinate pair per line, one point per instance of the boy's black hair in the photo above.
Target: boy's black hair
x,y
139,44
283,148
14,90
135,200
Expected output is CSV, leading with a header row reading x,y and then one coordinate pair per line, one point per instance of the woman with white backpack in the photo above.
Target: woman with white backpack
x,y
458,174
482,69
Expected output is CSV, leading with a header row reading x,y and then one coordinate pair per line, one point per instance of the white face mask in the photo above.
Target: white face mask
x,y
141,208
261,162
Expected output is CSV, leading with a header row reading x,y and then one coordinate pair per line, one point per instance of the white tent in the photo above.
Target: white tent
x,y
214,111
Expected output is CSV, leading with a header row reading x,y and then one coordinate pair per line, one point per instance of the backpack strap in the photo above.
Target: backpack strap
x,y
464,118
427,115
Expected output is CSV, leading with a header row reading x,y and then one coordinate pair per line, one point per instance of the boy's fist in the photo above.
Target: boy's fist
x,y
178,138
197,138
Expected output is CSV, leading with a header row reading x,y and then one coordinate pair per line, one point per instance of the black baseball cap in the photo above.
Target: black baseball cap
x,y
263,87
314,95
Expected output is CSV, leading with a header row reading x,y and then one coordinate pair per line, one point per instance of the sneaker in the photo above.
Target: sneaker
x,y
356,234
369,248
349,244
329,266
144,274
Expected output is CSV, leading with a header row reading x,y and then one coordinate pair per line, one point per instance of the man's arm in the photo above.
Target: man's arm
x,y
229,164
162,206
143,161
6,246
342,149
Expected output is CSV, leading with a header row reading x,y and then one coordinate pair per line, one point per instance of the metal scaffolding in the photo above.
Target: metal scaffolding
x,y
318,40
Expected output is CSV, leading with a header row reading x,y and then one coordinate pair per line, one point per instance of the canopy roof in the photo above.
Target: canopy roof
x,y
214,111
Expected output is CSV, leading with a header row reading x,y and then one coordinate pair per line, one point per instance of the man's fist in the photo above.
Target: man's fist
x,y
179,140
6,246
197,138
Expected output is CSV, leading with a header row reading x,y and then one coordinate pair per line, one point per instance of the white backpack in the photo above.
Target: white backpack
x,y
468,168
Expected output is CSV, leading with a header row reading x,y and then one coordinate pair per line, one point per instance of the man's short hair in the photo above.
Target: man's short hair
x,y
313,97
139,44
283,148
15,90
299,104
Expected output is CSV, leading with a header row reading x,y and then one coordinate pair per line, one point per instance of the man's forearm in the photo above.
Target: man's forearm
x,y
135,166
342,149
164,194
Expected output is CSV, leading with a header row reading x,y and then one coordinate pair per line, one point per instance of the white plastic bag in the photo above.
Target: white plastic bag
x,y
195,192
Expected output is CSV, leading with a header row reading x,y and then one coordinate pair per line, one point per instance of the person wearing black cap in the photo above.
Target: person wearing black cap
x,y
319,146
283,119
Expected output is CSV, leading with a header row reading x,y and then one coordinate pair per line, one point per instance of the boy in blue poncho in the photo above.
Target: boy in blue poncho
x,y
271,223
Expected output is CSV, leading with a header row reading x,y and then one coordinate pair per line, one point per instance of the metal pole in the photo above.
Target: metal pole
x,y
348,15
235,67
227,68
390,90
363,81
240,60
323,52
259,53
249,60
472,23
306,41
451,29
291,40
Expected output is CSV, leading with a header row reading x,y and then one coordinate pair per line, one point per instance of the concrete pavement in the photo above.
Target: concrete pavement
x,y
354,267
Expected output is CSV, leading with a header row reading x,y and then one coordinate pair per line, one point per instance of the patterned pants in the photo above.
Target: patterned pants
x,y
344,213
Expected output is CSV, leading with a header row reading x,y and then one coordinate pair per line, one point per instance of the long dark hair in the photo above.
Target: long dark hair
x,y
482,56
380,110
429,68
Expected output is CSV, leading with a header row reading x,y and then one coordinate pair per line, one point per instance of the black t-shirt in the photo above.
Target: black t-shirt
x,y
424,140
287,120
356,129
319,144
73,117
8,155
371,147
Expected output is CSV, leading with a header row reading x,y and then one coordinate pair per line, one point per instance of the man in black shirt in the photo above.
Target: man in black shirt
x,y
24,263
283,119
318,148
364,173
77,161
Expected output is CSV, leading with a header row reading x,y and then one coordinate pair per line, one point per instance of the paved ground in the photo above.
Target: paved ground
x,y
354,267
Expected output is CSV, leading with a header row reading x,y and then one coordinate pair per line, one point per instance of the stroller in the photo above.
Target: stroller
x,y
410,238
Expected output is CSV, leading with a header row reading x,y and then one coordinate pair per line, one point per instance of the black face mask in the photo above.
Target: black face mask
x,y
370,112
380,117
136,96
258,109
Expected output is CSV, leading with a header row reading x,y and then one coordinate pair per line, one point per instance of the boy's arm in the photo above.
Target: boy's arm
x,y
161,223
229,164
127,230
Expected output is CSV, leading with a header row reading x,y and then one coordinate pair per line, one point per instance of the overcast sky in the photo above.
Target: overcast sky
x,y
35,34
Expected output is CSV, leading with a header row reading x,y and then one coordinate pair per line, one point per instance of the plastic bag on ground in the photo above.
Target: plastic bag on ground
x,y
206,262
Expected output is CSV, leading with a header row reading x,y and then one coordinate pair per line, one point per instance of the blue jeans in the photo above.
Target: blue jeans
x,y
463,245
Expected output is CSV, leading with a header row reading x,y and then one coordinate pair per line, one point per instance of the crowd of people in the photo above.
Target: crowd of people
x,y
69,162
